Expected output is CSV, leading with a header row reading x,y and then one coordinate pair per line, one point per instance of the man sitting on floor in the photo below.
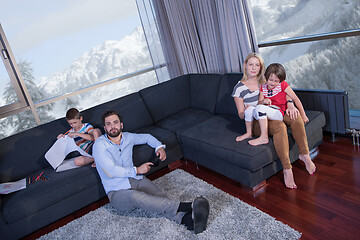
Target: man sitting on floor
x,y
125,185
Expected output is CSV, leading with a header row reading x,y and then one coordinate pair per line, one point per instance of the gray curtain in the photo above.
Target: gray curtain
x,y
204,36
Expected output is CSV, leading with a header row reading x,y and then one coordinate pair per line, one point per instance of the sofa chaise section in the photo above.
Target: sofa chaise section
x,y
212,143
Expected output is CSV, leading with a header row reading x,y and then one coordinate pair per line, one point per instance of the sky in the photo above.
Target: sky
x,y
52,34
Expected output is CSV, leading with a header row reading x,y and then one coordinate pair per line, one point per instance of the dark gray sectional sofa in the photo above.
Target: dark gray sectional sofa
x,y
194,115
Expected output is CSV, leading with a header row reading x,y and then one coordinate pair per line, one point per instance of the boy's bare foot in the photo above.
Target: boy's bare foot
x,y
289,179
310,166
83,160
79,161
244,136
93,165
258,141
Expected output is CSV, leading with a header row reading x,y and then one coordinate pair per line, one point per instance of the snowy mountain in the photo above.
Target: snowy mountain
x,y
275,19
106,61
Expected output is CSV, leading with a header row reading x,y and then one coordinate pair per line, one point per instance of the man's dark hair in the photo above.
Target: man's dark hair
x,y
110,113
277,69
72,113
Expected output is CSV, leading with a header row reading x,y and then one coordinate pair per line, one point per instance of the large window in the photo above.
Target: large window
x,y
326,64
68,53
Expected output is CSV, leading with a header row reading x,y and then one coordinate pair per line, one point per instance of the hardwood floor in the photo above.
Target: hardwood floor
x,y
325,205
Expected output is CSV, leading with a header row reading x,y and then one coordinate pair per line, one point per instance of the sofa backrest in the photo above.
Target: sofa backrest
x,y
167,98
23,153
225,103
131,107
204,91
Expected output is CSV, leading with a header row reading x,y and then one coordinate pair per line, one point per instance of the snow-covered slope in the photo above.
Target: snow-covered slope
x,y
106,61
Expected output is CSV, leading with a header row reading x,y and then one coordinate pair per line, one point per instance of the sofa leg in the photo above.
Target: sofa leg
x,y
333,138
314,152
258,186
174,165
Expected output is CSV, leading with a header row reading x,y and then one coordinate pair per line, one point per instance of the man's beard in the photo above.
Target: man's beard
x,y
112,133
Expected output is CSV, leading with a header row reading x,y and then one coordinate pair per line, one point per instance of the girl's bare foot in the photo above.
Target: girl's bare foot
x,y
244,136
310,166
289,179
259,141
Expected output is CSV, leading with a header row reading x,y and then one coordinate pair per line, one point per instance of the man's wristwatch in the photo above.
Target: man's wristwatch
x,y
291,101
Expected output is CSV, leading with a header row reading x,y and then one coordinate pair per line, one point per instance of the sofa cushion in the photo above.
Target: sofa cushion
x,y
204,90
40,195
225,102
185,119
217,137
132,108
167,98
144,153
23,153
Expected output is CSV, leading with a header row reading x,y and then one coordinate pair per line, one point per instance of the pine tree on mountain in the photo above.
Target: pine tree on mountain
x,y
25,120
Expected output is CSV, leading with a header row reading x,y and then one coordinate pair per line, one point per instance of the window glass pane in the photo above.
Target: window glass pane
x,y
7,91
150,26
95,97
278,19
74,44
16,123
326,64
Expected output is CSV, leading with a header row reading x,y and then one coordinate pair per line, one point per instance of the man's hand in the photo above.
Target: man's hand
x,y
161,154
144,168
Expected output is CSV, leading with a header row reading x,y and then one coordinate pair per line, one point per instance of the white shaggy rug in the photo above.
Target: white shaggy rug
x,y
229,218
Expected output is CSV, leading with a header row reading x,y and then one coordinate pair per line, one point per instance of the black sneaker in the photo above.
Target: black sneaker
x,y
200,214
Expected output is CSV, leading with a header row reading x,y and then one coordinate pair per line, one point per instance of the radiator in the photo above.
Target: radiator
x,y
333,103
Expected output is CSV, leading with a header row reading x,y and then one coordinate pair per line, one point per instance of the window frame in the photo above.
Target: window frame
x,y
311,38
24,102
